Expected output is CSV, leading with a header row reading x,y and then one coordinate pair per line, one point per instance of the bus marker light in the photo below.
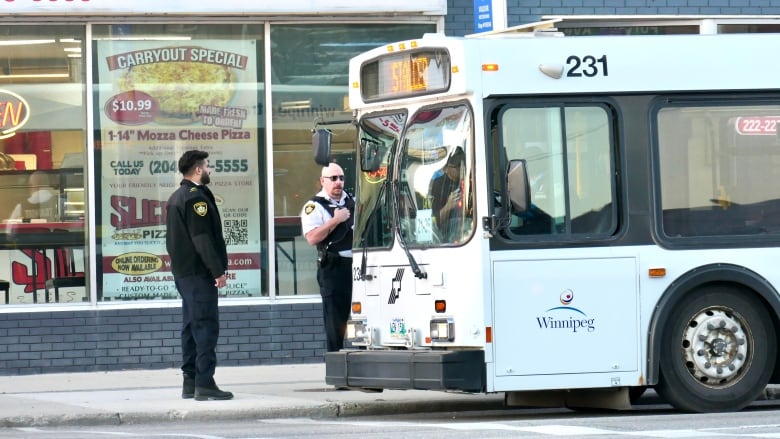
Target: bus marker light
x,y
489,67
355,84
488,334
455,69
357,307
390,48
402,46
413,44
440,306
656,272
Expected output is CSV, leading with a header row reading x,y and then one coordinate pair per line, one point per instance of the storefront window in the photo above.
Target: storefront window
x,y
162,89
43,256
309,65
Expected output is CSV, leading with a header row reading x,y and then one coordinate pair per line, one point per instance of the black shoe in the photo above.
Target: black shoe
x,y
211,394
188,387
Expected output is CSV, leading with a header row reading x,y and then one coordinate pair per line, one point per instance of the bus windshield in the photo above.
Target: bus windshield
x,y
432,195
434,192
374,214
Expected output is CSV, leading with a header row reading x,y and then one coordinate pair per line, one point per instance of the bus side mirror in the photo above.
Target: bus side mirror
x,y
320,143
370,160
518,188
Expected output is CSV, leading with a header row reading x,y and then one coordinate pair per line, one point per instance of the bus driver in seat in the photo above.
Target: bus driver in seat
x,y
445,195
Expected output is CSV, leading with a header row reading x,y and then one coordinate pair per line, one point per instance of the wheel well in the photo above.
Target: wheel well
x,y
725,275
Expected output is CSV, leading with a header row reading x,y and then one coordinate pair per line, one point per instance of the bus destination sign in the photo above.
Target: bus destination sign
x,y
757,125
400,75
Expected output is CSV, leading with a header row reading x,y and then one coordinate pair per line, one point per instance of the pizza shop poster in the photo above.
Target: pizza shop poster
x,y
158,100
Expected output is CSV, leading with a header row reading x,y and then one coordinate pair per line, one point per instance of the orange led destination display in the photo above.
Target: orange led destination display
x,y
400,75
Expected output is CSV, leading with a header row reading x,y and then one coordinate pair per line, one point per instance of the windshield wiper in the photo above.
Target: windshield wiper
x,y
418,273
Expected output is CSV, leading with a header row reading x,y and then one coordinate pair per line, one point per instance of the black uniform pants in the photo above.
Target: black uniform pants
x,y
200,327
335,280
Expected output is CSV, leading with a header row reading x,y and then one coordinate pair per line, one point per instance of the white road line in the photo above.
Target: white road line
x,y
553,430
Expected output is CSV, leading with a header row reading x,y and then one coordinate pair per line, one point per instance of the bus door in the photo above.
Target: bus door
x,y
560,305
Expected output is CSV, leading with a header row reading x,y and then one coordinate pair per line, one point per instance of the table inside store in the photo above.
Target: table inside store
x,y
40,238
286,229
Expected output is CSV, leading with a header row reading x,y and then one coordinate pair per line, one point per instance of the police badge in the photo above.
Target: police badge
x,y
201,208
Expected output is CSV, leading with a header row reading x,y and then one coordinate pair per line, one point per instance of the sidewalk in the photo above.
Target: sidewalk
x,y
111,398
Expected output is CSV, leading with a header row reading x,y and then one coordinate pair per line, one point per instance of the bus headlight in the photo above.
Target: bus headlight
x,y
442,329
357,332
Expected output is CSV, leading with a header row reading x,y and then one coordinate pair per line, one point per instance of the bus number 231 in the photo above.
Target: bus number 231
x,y
587,65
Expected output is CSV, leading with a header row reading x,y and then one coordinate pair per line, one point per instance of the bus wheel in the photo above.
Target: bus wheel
x,y
718,351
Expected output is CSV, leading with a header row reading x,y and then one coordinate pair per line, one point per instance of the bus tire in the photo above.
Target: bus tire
x,y
717,352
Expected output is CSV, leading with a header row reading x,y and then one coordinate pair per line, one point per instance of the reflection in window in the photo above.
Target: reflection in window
x,y
378,136
435,194
568,155
715,166
42,165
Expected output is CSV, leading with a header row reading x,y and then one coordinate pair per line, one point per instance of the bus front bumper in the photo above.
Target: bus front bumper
x,y
423,370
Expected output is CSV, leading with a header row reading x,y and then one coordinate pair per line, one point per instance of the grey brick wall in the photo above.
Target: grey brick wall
x,y
104,340
460,13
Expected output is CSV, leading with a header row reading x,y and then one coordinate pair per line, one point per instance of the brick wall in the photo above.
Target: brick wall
x,y
103,340
460,13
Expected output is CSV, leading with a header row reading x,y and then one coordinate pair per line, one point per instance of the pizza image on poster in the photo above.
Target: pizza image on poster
x,y
178,82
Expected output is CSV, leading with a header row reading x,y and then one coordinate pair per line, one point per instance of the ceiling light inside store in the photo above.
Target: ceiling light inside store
x,y
51,66
147,38
24,42
35,76
296,105
72,52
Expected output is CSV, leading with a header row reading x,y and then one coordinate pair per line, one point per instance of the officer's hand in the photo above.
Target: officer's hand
x,y
341,214
220,281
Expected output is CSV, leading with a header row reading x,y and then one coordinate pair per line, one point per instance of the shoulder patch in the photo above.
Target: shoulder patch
x,y
308,208
193,189
201,208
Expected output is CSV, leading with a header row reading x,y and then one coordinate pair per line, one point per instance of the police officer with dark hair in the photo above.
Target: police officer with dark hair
x,y
199,266
326,221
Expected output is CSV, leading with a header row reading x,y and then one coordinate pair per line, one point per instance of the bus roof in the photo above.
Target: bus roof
x,y
534,64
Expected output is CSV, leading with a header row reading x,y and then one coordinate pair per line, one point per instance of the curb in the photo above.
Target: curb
x,y
324,411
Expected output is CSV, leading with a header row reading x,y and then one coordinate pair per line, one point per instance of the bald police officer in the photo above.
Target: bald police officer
x,y
199,266
326,221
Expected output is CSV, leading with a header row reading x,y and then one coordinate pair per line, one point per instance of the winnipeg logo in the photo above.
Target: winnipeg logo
x,y
395,291
566,317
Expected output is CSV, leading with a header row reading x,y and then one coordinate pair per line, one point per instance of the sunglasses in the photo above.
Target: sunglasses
x,y
333,177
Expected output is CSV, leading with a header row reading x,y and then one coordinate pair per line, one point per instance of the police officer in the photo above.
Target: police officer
x,y
199,266
326,221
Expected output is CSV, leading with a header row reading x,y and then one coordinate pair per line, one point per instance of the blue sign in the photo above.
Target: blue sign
x,y
483,15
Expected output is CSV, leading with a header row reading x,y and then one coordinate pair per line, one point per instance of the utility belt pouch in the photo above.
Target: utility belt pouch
x,y
322,256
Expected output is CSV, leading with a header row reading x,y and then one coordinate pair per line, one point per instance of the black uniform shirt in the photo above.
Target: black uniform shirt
x,y
194,232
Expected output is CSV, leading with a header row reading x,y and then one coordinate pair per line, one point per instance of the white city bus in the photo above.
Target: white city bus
x,y
568,220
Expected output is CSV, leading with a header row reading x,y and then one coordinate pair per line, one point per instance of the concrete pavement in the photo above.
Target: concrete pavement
x,y
112,398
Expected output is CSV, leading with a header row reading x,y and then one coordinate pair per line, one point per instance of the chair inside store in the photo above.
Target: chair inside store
x,y
65,274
